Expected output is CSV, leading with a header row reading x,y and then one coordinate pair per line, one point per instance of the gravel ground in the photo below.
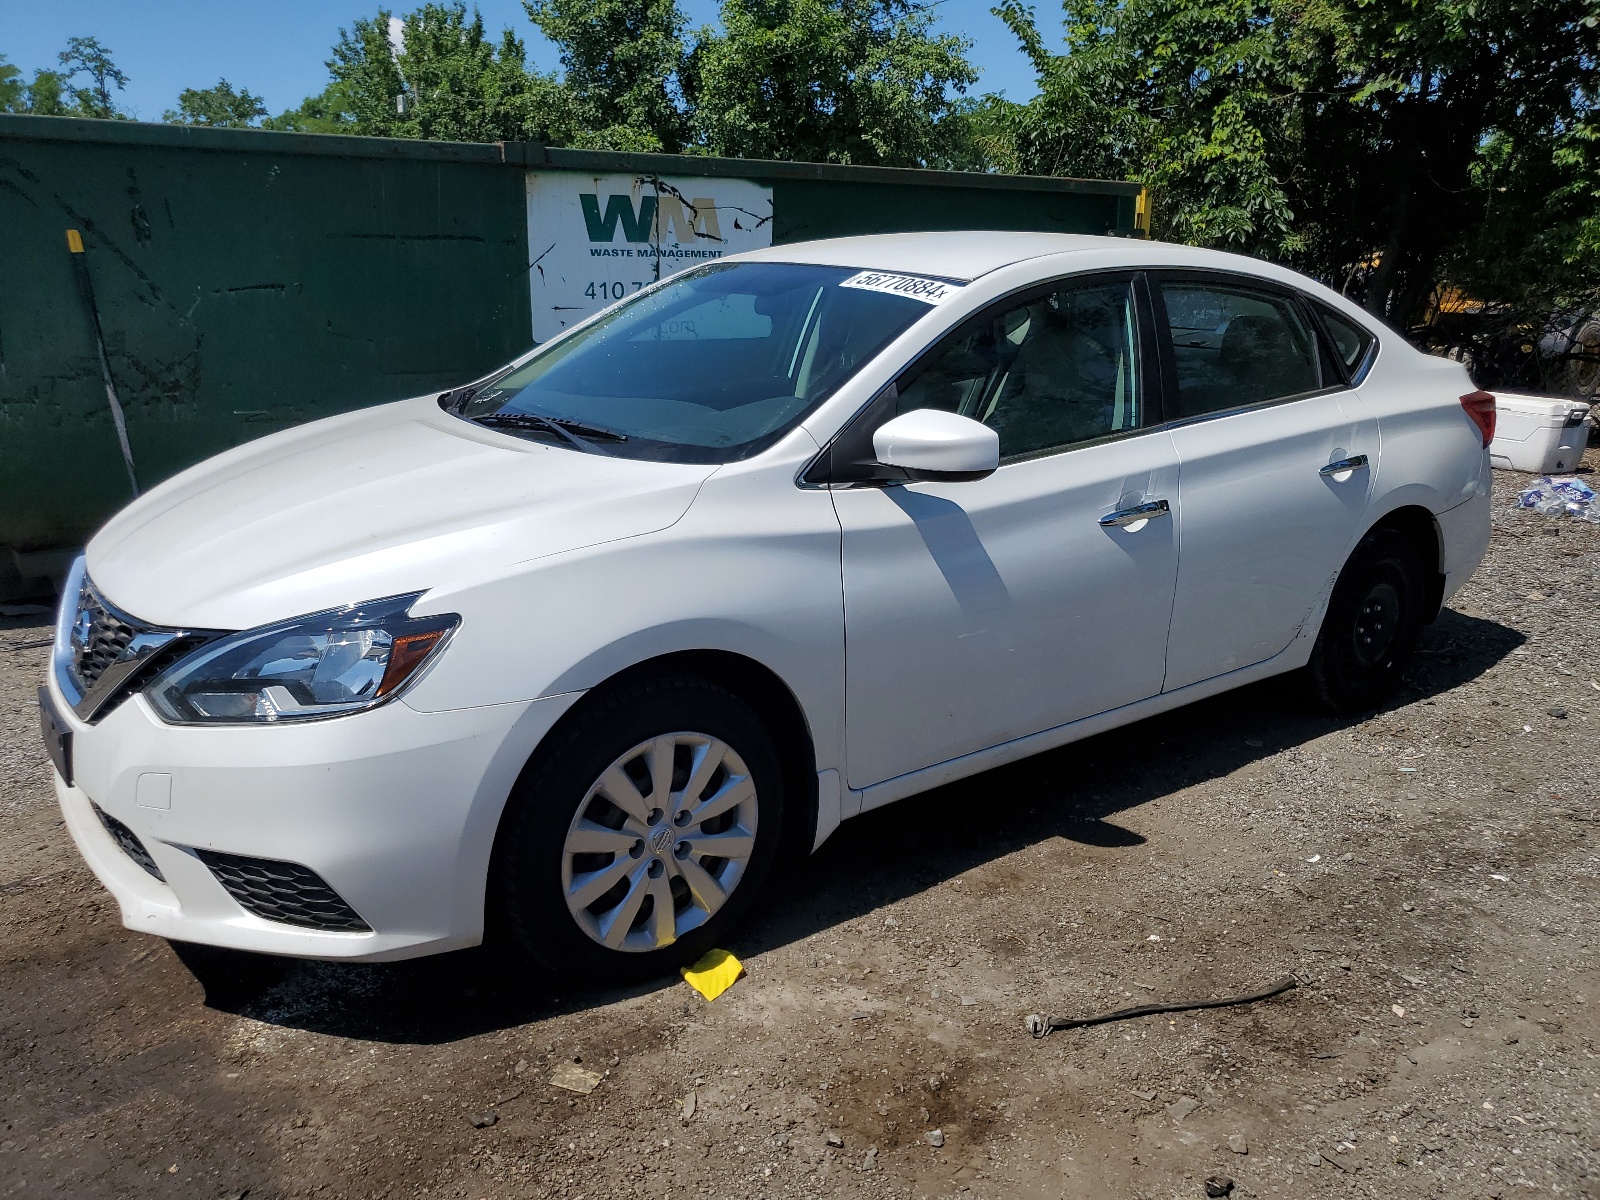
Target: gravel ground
x,y
1428,875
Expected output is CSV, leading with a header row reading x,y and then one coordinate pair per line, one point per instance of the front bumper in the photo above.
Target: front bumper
x,y
394,809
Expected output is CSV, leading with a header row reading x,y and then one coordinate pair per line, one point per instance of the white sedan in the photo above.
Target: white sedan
x,y
575,653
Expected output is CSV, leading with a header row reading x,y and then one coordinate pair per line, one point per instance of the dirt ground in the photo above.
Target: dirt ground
x,y
1428,875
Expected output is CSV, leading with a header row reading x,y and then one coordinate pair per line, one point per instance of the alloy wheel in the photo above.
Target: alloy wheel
x,y
660,841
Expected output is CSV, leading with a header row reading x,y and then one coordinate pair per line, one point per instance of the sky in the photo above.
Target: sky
x,y
279,50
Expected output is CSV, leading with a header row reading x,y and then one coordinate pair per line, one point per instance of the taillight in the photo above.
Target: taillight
x,y
1480,407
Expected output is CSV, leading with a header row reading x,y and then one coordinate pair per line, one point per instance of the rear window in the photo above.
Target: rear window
x,y
1234,346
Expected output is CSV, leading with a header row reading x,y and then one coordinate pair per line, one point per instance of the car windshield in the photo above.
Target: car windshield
x,y
714,366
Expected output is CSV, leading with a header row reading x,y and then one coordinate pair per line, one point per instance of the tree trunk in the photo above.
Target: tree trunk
x,y
1405,133
1388,269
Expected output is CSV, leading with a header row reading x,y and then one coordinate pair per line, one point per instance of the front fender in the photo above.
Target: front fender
x,y
752,569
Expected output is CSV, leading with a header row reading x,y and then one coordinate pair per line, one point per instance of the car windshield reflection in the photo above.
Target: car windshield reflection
x,y
713,366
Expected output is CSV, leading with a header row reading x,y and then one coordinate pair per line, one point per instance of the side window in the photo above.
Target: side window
x,y
1350,341
1045,372
1234,346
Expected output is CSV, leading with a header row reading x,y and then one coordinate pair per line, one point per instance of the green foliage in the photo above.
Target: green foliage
x,y
49,94
1184,95
826,80
13,92
218,106
447,80
1436,108
978,134
367,69
86,56
1384,145
329,111
850,81
623,62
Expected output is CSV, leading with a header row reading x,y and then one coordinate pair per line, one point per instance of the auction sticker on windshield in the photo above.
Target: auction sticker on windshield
x,y
913,287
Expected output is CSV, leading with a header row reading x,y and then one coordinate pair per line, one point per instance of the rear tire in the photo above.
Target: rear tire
x,y
1370,631
607,866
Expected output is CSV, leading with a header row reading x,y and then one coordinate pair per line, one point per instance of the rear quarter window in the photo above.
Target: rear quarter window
x,y
1352,344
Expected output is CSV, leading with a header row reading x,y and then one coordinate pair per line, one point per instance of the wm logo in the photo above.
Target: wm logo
x,y
663,218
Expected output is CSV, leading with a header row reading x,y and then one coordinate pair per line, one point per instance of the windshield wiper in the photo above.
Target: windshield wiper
x,y
567,430
456,400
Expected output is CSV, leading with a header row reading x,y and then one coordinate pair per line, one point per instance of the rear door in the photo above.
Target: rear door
x,y
1276,457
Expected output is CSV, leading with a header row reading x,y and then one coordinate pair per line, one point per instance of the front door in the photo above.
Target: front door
x,y
984,611
1264,520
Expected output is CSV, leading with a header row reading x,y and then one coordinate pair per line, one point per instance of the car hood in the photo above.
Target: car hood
x,y
387,500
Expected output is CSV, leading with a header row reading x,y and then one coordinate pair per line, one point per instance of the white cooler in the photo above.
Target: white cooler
x,y
1540,434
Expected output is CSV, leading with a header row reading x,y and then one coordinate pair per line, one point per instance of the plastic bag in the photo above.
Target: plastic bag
x,y
1561,496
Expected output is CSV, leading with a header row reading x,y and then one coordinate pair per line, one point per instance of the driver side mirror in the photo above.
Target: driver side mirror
x,y
930,444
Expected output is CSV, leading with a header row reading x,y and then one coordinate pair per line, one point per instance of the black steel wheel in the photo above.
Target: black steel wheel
x,y
1372,624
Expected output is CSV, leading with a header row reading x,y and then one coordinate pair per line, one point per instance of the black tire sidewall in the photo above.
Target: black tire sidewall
x,y
527,905
1342,682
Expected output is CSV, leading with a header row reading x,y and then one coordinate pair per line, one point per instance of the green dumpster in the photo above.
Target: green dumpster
x,y
246,281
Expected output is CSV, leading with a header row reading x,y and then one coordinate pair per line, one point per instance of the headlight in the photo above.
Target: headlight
x,y
323,665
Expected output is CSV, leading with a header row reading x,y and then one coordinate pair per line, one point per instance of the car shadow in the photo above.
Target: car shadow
x,y
1072,793
956,549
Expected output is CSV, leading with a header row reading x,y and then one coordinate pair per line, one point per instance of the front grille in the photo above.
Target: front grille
x,y
99,637
111,655
130,843
282,891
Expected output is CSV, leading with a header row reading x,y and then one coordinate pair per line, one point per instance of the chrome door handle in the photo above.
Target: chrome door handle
x,y
1354,463
1139,512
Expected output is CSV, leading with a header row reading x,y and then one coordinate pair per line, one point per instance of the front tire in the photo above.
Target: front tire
x,y
1371,628
641,835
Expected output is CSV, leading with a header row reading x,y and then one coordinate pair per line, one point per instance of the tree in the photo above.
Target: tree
x,y
367,69
86,56
862,81
624,62
465,87
13,92
45,96
849,81
1183,95
1440,92
446,79
1370,142
329,111
218,106
978,135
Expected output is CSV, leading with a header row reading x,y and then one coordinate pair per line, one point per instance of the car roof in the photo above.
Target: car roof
x,y
966,255
956,254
